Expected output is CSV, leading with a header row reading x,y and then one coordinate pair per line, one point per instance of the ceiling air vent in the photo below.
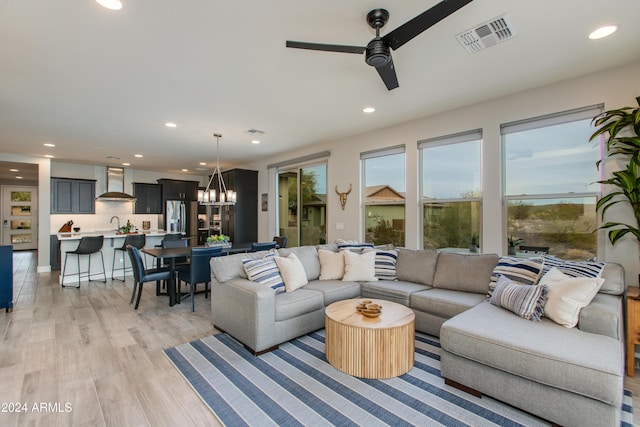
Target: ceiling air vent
x,y
486,34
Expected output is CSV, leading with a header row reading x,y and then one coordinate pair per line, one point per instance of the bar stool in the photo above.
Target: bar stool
x,y
137,241
88,245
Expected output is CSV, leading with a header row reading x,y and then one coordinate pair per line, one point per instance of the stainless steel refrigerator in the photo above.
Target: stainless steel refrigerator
x,y
182,217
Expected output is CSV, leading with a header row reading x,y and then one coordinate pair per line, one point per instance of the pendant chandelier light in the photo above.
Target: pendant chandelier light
x,y
216,193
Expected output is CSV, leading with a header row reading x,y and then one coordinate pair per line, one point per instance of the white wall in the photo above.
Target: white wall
x,y
615,88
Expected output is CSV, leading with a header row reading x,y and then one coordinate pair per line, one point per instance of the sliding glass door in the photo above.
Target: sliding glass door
x,y
302,202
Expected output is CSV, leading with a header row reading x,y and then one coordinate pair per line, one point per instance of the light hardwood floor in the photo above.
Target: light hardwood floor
x,y
88,347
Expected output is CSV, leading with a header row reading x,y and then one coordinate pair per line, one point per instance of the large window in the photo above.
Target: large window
x,y
451,182
550,183
384,196
302,200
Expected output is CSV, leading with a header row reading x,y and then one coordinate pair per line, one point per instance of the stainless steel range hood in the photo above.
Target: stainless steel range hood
x,y
115,187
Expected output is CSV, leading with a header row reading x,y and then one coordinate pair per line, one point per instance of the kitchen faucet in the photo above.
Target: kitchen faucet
x,y
111,221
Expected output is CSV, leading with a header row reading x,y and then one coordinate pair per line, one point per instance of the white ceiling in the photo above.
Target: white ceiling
x,y
99,83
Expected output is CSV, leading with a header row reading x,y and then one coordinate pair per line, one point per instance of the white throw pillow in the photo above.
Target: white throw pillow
x,y
359,267
331,265
568,295
292,272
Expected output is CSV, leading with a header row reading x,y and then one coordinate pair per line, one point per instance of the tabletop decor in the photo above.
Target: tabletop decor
x,y
218,239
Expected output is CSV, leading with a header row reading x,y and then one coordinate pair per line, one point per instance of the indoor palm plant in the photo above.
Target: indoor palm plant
x,y
621,131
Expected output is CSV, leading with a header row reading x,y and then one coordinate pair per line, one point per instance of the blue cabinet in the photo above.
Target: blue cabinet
x,y
6,278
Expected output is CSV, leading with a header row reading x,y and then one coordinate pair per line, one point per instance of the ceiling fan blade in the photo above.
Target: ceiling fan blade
x,y
326,47
388,74
420,23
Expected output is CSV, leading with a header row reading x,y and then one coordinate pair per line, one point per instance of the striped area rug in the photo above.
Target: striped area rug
x,y
295,386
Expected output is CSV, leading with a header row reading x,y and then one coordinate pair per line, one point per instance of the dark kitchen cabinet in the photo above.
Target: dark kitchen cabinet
x,y
54,253
202,237
148,198
73,196
173,189
240,221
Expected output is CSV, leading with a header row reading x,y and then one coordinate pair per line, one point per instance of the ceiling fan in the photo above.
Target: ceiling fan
x,y
378,51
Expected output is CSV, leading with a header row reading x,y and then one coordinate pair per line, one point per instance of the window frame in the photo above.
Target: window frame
x,y
372,154
451,139
540,122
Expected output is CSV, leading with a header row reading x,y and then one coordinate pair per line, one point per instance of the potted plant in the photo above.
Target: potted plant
x,y
473,247
621,131
513,244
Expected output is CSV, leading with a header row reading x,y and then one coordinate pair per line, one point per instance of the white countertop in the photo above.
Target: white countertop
x,y
108,234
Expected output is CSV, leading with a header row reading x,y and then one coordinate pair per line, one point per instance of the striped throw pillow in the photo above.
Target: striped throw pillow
x,y
386,264
265,272
354,247
525,271
573,268
526,301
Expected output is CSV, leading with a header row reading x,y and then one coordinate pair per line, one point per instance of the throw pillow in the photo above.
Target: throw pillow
x,y
265,272
385,264
418,266
354,247
359,267
465,272
331,265
527,301
292,272
573,268
568,295
523,271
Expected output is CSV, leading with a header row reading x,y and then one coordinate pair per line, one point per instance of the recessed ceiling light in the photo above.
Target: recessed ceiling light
x,y
255,141
126,164
170,124
138,155
13,170
203,164
49,145
602,32
48,156
368,110
110,4
185,170
18,177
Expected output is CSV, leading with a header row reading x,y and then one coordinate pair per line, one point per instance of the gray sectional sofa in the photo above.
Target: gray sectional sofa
x,y
570,376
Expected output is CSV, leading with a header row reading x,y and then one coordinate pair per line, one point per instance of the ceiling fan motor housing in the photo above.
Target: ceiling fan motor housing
x,y
377,53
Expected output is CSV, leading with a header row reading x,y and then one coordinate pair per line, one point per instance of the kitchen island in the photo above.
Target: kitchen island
x,y
112,240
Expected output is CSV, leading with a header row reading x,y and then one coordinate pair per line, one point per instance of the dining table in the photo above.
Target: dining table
x,y
170,255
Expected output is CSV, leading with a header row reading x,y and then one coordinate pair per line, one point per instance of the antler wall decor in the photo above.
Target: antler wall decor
x,y
343,196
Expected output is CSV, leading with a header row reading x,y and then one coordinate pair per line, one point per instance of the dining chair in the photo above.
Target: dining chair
x,y
137,240
281,241
180,263
181,243
140,275
262,246
88,245
199,271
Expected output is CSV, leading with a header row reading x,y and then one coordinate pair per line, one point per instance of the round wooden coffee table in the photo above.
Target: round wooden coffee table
x,y
380,347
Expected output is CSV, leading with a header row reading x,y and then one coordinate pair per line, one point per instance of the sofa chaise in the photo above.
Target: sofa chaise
x,y
570,376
